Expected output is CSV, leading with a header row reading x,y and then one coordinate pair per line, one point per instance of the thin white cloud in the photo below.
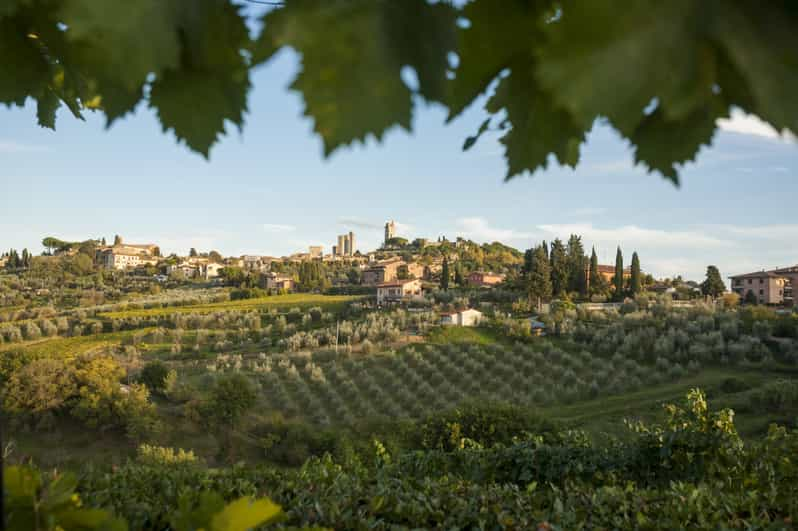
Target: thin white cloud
x,y
587,212
359,223
12,147
636,236
403,229
748,124
787,232
479,229
278,228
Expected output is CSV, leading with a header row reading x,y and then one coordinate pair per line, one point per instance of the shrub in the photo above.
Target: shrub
x,y
153,375
162,456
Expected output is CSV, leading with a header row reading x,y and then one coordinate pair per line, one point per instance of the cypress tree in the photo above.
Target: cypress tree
x,y
576,265
597,284
458,275
635,280
539,279
559,268
445,274
618,281
528,256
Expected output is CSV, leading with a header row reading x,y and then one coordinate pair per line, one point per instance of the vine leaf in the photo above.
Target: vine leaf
x,y
539,126
499,33
352,56
129,40
244,514
211,83
46,106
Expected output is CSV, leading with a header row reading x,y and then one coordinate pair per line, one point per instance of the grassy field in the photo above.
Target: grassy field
x,y
606,414
58,347
292,300
461,334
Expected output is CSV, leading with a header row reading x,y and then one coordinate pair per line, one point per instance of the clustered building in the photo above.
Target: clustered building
x,y
122,255
346,245
768,287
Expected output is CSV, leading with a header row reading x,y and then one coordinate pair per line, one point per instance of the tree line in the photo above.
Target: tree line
x,y
564,270
16,260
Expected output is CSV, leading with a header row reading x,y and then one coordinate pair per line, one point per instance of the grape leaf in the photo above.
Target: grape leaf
x,y
661,143
244,514
612,58
10,7
195,105
350,86
212,81
23,68
763,45
500,32
403,22
46,106
539,126
129,39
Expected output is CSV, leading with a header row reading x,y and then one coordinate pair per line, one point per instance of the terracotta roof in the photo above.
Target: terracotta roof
x,y
759,274
396,283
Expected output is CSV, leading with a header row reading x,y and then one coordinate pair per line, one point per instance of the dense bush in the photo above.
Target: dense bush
x,y
691,471
153,375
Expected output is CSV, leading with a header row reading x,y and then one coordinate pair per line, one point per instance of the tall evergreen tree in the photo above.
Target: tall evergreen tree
x,y
445,274
559,268
528,257
192,252
635,281
117,239
713,285
458,275
546,248
618,280
539,279
597,284
576,265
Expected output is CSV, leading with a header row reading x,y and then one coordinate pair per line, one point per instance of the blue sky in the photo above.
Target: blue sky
x,y
270,191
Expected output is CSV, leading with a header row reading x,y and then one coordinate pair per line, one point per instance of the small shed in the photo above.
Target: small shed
x,y
469,317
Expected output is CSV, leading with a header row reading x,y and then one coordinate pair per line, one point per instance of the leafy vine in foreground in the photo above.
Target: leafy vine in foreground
x,y
661,73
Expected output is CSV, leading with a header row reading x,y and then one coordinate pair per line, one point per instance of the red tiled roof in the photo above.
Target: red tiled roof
x,y
396,283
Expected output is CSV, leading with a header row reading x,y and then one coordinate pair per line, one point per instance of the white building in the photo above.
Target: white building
x,y
469,317
210,270
397,290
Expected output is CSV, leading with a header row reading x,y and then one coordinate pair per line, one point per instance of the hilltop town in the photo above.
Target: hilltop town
x,y
400,269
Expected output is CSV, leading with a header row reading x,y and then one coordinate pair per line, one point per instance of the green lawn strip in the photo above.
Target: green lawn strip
x,y
645,402
299,300
68,346
460,334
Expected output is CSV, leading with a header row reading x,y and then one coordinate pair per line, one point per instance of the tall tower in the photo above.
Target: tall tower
x,y
390,231
347,245
341,244
351,243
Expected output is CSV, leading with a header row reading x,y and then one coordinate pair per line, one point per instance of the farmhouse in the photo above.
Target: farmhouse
x,y
485,278
469,317
397,290
769,287
279,282
128,255
385,271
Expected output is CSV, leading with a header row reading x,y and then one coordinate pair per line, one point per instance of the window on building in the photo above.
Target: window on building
x,y
761,292
761,280
750,281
